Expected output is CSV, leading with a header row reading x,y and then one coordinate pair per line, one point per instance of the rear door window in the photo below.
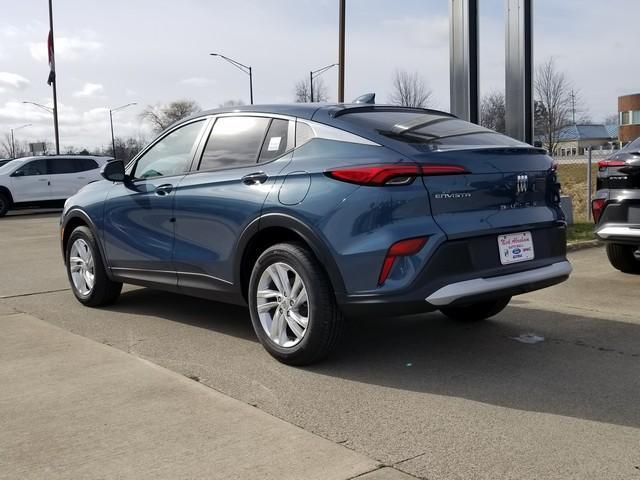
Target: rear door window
x,y
276,142
59,166
234,142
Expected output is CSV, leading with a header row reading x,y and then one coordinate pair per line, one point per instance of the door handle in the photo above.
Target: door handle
x,y
164,189
82,178
255,178
43,180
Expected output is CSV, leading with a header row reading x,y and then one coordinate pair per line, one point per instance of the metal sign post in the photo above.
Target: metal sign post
x,y
463,59
519,71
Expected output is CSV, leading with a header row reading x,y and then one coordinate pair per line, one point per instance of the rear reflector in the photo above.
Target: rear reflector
x,y
602,164
597,207
403,248
395,174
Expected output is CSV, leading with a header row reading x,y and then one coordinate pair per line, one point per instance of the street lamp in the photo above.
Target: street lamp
x,y
55,122
13,145
111,112
244,68
43,107
317,73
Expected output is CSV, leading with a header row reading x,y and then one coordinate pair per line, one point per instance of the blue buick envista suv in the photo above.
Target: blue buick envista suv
x,y
311,213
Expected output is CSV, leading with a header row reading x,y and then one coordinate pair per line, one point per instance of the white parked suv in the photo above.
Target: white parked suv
x,y
45,180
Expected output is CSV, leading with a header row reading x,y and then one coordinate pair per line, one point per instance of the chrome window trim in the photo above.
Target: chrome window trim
x,y
327,132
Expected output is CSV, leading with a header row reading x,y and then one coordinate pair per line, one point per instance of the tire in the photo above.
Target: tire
x,y
5,203
293,343
82,246
476,311
622,257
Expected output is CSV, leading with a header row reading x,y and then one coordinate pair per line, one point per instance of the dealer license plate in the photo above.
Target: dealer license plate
x,y
515,247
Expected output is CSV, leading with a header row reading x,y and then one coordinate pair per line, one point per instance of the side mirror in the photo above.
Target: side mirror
x,y
114,171
18,173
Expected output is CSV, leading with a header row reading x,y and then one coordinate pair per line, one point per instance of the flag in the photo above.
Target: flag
x,y
52,61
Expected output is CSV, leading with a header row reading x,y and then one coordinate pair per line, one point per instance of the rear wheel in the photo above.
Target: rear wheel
x,y
4,204
476,311
293,310
623,257
86,271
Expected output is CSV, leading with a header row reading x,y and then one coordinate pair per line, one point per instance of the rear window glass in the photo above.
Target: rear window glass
x,y
434,130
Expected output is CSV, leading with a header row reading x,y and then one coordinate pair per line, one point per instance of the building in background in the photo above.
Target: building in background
x,y
576,139
629,117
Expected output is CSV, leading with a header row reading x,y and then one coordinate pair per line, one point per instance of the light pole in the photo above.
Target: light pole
x,y
341,29
243,68
111,112
317,73
13,145
43,107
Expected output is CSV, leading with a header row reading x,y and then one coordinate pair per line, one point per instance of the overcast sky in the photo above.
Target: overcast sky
x,y
109,53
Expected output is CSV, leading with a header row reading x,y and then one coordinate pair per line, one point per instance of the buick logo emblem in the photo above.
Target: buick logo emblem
x,y
522,184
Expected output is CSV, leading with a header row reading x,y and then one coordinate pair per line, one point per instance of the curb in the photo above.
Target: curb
x,y
575,246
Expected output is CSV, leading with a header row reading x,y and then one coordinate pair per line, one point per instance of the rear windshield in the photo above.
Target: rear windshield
x,y
633,146
430,129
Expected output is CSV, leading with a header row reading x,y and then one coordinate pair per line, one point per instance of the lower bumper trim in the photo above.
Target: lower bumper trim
x,y
468,288
607,232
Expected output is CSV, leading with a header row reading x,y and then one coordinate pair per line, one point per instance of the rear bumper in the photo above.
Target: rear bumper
x,y
620,222
515,283
468,271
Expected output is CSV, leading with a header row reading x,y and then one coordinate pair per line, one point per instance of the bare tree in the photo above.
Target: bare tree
x,y
303,92
611,119
161,116
409,90
555,103
492,111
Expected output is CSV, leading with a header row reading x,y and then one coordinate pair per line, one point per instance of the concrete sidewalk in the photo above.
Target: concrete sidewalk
x,y
74,408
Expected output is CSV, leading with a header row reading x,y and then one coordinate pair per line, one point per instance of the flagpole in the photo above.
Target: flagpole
x,y
54,82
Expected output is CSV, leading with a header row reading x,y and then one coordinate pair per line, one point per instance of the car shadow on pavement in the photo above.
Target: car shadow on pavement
x,y
585,367
223,318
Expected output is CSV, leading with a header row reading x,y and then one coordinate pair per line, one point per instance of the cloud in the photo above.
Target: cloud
x,y
12,81
9,31
195,82
89,90
66,48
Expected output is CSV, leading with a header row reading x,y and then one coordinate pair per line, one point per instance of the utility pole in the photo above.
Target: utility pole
x,y
573,105
341,53
13,144
52,78
243,68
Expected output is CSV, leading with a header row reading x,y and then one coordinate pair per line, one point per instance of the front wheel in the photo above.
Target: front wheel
x,y
477,311
293,310
623,257
86,271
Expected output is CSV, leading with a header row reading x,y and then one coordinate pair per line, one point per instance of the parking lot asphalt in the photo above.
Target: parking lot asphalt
x,y
434,398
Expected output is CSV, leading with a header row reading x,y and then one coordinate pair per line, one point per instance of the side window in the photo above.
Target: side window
x,y
85,164
276,142
59,166
36,167
303,133
234,142
170,156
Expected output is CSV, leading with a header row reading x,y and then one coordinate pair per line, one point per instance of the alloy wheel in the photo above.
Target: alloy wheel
x,y
283,305
81,266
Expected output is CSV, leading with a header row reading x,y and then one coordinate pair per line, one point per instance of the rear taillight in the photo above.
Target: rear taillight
x,y
604,164
597,206
397,174
403,248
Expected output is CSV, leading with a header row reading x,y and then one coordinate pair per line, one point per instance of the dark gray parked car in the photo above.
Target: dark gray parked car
x,y
616,207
